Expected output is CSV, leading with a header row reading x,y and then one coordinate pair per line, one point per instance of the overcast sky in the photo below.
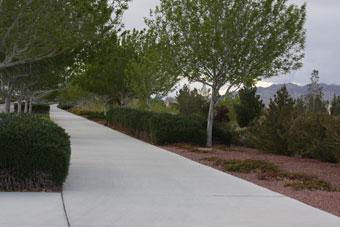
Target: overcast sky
x,y
323,38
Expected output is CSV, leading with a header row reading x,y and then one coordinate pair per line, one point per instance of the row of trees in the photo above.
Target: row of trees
x,y
40,39
222,44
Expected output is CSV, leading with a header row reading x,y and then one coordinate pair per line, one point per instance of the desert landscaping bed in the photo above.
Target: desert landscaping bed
x,y
327,200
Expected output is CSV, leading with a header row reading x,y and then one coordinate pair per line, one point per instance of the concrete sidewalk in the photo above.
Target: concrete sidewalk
x,y
118,181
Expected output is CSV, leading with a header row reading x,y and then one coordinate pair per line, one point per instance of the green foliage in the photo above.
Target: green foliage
x,y
314,136
310,185
150,73
300,105
269,132
169,129
65,106
159,107
96,117
39,29
50,96
314,99
33,147
335,106
244,166
268,171
105,73
283,131
227,44
191,102
37,108
250,106
83,112
163,128
230,101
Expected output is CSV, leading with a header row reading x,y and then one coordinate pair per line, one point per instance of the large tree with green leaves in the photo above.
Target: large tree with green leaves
x,y
151,73
33,30
105,74
232,43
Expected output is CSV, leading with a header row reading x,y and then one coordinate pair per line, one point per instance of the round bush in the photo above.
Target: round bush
x,y
33,151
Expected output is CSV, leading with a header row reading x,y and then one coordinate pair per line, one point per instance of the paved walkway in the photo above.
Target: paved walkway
x,y
118,181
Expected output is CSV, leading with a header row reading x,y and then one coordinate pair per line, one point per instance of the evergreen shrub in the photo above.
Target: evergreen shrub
x,y
34,153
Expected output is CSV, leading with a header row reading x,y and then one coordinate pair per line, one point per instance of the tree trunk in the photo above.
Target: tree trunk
x,y
19,105
149,103
210,121
30,105
26,106
7,105
105,106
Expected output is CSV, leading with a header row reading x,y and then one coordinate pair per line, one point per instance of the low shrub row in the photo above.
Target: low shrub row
x,y
65,106
83,112
163,128
35,153
36,108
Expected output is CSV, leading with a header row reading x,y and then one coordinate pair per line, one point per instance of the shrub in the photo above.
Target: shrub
x,y
83,112
220,135
250,106
192,102
163,128
36,108
65,106
221,114
244,166
35,153
96,117
314,136
269,133
168,129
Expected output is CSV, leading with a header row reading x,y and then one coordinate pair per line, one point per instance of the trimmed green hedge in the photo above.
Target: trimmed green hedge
x,y
65,106
35,153
164,128
36,108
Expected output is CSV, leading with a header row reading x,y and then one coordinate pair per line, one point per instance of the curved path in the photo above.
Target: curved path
x,y
118,181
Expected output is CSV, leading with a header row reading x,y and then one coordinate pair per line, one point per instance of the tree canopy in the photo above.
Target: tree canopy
x,y
232,43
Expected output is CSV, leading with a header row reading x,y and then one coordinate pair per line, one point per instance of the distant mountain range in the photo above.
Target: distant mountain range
x,y
296,91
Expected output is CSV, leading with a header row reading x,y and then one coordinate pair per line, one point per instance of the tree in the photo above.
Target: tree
x,y
151,74
191,102
34,30
232,43
335,106
314,99
270,132
300,105
105,74
250,106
